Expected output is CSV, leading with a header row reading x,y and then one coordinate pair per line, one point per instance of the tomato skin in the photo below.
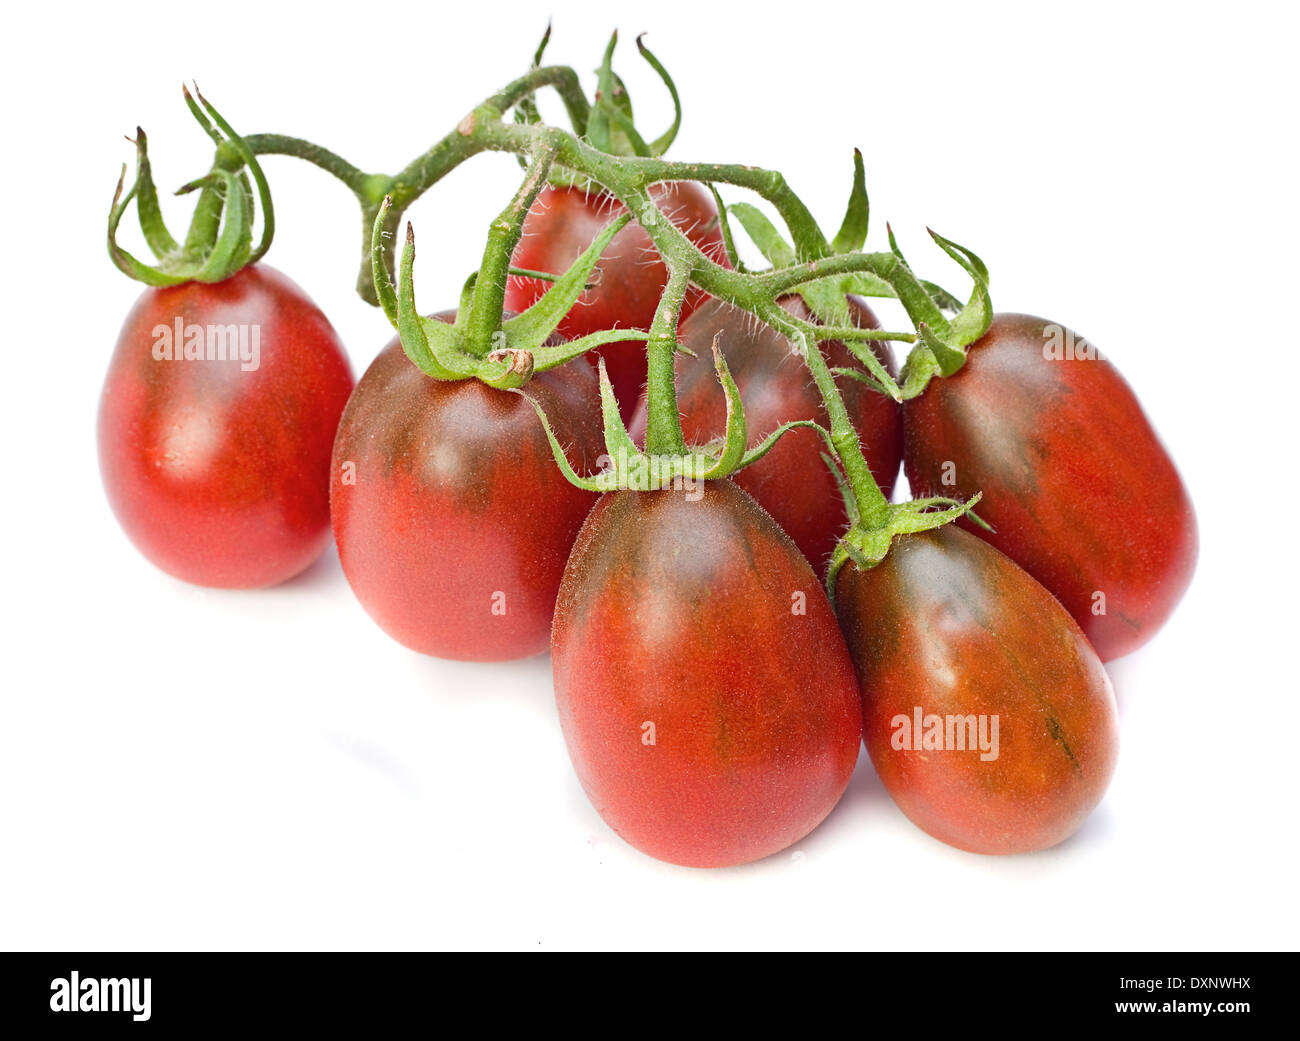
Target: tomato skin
x,y
679,614
219,475
949,624
792,481
1077,485
457,498
630,276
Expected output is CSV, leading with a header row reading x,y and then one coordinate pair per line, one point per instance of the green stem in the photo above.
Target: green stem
x,y
484,321
873,507
663,422
628,179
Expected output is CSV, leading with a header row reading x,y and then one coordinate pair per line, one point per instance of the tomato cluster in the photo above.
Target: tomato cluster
x,y
722,647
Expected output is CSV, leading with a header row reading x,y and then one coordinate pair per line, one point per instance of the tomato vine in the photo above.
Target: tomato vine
x,y
505,352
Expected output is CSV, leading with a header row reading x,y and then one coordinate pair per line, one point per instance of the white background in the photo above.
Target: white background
x,y
200,769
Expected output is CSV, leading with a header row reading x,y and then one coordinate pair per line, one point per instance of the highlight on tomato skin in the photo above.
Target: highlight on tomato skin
x,y
791,482
1076,484
704,690
988,716
453,522
215,426
630,277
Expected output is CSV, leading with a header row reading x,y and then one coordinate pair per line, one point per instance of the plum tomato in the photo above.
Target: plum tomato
x,y
704,689
452,520
1076,484
987,714
215,427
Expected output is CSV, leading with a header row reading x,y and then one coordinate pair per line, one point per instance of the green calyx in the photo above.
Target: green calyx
x,y
627,467
608,124
941,342
866,547
220,238
504,354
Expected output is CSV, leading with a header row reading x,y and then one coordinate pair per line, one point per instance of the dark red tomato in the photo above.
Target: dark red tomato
x,y
630,277
1018,730
1076,483
704,689
791,482
453,521
218,470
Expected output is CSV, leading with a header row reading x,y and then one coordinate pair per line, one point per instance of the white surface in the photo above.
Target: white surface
x,y
184,768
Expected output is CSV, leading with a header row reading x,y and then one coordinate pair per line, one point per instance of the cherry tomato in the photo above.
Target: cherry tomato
x,y
215,427
704,690
1017,733
452,519
1077,486
630,277
792,481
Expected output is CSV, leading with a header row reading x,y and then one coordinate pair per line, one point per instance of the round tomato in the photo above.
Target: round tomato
x,y
704,689
1077,486
215,427
452,519
630,277
791,482
986,712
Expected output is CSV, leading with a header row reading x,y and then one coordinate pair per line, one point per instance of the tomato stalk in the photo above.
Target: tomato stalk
x,y
822,271
483,324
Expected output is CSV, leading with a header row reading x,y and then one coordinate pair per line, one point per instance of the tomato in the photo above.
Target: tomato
x,y
452,519
704,689
630,277
1077,486
791,482
948,627
218,470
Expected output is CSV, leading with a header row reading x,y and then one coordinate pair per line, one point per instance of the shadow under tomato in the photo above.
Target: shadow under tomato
x,y
323,573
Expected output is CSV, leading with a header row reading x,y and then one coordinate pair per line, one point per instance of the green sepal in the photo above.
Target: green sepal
x,y
662,143
241,149
599,131
232,250
526,111
146,202
735,433
125,261
857,216
534,326
553,357
618,442
587,484
384,289
432,346
949,359
942,297
724,224
973,320
769,241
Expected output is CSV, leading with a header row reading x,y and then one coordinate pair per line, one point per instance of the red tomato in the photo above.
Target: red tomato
x,y
792,481
704,690
948,626
218,470
1076,483
630,277
453,521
